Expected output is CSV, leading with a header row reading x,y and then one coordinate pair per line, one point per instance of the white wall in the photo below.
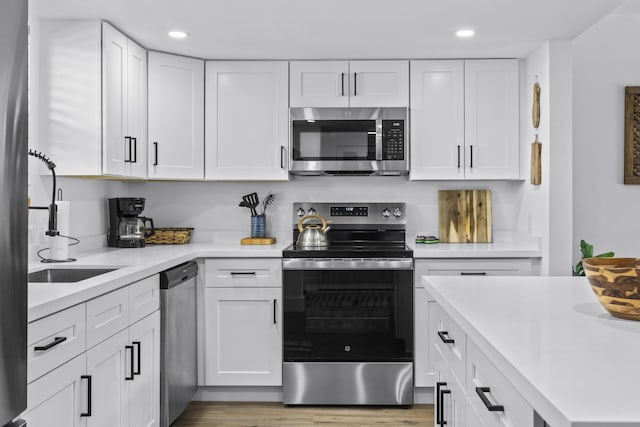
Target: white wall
x,y
212,207
605,58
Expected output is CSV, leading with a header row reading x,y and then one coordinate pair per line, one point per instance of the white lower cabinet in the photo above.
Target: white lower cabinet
x,y
59,398
424,369
469,390
243,322
113,381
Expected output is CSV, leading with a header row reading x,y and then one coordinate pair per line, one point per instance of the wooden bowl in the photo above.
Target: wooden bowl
x,y
616,282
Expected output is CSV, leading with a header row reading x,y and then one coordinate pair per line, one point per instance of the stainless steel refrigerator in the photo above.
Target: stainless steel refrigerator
x,y
13,210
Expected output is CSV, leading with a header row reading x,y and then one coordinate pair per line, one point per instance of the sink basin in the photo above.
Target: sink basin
x,y
66,275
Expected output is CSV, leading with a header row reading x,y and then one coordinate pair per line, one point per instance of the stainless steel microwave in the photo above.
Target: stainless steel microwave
x,y
349,141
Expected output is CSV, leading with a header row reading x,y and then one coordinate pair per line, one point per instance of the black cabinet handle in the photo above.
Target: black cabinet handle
x,y
481,391
129,347
55,342
342,79
355,84
473,273
137,344
155,162
439,385
471,153
88,378
443,391
275,311
135,150
458,157
282,154
127,144
445,337
243,273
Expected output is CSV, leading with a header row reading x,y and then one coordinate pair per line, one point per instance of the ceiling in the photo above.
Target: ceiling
x,y
354,29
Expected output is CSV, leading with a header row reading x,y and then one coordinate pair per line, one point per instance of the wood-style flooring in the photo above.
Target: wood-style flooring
x,y
222,414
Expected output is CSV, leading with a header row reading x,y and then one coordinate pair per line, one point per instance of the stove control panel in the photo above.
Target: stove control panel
x,y
349,211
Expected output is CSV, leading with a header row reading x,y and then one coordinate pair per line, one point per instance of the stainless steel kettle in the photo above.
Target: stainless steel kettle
x,y
313,235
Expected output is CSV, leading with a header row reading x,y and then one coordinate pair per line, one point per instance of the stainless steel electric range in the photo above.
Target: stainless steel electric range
x,y
348,309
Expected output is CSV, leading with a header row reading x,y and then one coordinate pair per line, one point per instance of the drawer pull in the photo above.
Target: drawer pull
x,y
88,378
137,344
129,377
439,385
481,391
55,342
243,273
473,273
444,336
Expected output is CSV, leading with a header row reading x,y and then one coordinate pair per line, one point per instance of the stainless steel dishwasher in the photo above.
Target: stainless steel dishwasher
x,y
178,358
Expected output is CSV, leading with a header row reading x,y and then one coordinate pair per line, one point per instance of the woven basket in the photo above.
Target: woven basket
x,y
169,236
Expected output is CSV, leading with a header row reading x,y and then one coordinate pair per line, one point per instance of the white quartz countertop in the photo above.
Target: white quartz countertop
x,y
504,245
136,263
574,363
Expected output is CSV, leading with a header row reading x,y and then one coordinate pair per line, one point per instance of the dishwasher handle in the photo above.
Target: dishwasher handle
x,y
178,274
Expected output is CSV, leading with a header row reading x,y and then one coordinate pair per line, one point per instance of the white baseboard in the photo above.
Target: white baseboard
x,y
239,394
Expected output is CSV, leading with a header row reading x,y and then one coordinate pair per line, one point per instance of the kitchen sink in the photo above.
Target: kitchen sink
x,y
66,275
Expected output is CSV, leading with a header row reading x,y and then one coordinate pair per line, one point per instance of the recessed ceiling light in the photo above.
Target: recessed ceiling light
x,y
177,34
467,32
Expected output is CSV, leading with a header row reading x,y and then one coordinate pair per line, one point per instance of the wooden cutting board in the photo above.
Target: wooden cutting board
x,y
465,216
258,241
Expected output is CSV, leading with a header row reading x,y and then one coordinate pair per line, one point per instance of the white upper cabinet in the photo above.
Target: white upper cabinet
x,y
349,84
176,117
437,119
491,119
464,119
247,120
124,97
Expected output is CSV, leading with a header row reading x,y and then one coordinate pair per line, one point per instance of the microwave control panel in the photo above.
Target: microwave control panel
x,y
393,140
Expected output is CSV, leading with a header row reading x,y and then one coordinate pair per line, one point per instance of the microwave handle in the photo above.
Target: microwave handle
x,y
378,139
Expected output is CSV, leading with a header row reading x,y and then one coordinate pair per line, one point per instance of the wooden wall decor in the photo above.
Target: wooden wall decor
x,y
536,146
632,135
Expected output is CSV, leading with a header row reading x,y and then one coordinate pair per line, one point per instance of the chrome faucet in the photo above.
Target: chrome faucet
x,y
53,209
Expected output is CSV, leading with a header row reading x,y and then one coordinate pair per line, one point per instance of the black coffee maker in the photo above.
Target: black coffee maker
x,y
127,229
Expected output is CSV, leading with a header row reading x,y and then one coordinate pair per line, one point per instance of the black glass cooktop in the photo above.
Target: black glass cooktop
x,y
373,250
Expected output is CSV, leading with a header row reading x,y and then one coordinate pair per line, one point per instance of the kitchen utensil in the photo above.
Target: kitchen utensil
x,y
313,235
465,216
267,201
251,201
536,146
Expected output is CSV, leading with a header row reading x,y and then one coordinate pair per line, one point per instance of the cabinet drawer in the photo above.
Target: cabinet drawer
x,y
243,272
472,267
55,339
106,315
144,298
481,372
452,343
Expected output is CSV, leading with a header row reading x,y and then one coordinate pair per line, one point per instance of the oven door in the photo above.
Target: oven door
x,y
347,310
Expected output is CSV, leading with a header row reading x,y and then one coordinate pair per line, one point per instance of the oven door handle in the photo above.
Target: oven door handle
x,y
347,264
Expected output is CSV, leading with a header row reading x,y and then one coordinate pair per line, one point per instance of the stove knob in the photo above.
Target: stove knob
x,y
311,211
397,212
386,213
300,212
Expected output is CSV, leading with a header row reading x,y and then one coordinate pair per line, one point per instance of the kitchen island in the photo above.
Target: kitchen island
x,y
569,360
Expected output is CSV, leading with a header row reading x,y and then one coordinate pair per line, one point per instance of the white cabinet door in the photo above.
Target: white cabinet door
x,y
176,117
144,390
109,365
243,336
491,119
59,398
319,84
423,333
379,83
136,148
124,98
114,99
437,120
247,120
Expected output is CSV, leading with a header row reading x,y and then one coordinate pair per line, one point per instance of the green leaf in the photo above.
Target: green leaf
x,y
586,249
605,255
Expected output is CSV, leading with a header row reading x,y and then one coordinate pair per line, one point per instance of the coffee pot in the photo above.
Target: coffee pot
x,y
127,228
